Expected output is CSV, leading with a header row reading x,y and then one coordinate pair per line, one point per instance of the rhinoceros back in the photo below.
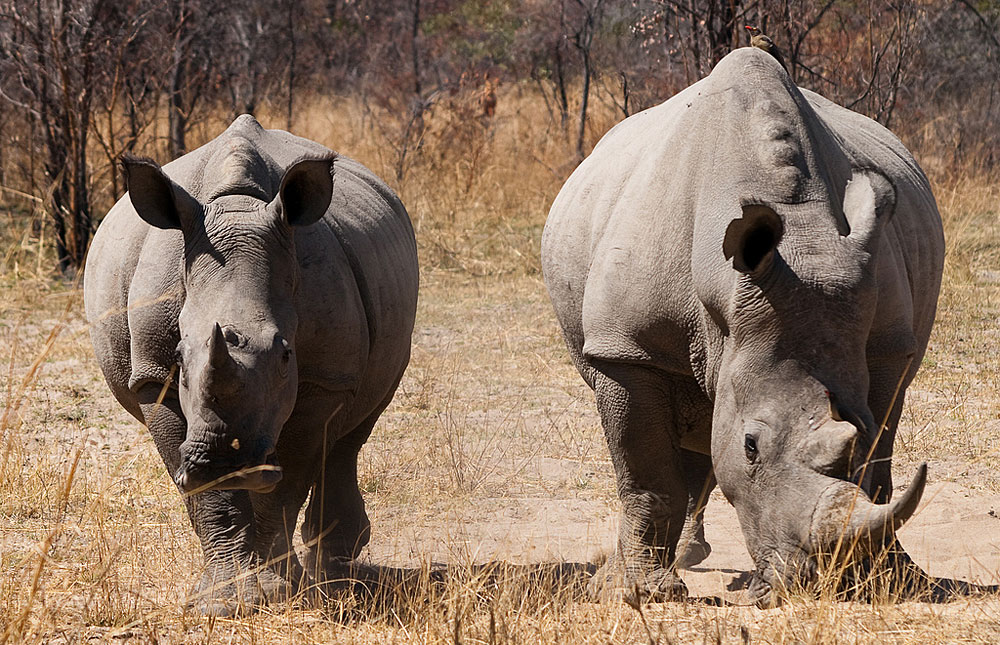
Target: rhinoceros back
x,y
609,217
911,258
636,232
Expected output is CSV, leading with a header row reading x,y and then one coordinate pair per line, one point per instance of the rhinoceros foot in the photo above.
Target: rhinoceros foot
x,y
693,548
231,591
639,585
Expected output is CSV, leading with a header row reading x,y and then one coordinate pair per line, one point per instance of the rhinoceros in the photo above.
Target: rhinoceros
x,y
746,275
252,303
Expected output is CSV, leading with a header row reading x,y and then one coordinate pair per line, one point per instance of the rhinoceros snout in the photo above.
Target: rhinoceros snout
x,y
196,476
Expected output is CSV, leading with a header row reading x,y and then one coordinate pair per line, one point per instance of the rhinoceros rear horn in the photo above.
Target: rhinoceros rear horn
x,y
829,448
869,201
752,239
306,189
156,198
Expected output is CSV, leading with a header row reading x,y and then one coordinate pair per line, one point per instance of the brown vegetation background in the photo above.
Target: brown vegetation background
x,y
475,112
82,81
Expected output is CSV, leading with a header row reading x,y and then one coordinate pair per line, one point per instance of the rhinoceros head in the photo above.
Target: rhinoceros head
x,y
238,373
792,428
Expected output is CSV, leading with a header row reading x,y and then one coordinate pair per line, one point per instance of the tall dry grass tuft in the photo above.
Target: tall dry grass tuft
x,y
491,452
957,410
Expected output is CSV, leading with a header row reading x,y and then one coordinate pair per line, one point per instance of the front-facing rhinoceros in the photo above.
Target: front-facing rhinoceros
x,y
747,275
252,303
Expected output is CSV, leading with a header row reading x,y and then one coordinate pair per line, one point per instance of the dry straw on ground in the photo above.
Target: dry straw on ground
x,y
491,451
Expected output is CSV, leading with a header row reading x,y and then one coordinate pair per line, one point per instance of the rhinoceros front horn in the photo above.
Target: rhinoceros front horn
x,y
872,523
218,355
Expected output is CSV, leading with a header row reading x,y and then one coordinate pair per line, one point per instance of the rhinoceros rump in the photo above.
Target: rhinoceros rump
x,y
745,275
252,303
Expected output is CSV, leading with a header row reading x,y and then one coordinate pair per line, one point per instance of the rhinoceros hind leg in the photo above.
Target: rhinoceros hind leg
x,y
642,422
336,525
300,450
893,573
693,548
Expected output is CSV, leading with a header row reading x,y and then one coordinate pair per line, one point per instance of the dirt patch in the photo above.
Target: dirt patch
x,y
492,451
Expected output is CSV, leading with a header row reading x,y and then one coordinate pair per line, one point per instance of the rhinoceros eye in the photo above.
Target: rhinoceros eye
x,y
179,361
232,337
286,357
750,447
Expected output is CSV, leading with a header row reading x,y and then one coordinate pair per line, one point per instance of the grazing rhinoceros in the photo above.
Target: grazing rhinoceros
x,y
252,303
747,275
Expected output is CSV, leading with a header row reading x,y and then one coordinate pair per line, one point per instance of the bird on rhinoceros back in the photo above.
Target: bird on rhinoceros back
x,y
762,41
252,304
746,276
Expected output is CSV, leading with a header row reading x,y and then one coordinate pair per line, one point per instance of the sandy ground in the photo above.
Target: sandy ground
x,y
954,534
491,452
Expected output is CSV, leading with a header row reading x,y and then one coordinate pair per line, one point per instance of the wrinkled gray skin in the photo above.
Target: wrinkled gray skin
x,y
744,274
264,287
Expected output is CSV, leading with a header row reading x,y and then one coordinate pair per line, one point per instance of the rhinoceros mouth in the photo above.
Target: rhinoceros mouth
x,y
260,478
777,577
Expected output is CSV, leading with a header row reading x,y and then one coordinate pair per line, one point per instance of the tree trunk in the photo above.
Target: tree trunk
x,y
56,191
414,52
81,191
177,121
176,118
292,62
695,42
583,103
720,28
561,87
560,70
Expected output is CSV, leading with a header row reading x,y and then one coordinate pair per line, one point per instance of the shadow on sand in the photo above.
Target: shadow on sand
x,y
358,590
897,578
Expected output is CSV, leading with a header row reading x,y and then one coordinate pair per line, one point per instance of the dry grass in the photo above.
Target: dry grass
x,y
491,450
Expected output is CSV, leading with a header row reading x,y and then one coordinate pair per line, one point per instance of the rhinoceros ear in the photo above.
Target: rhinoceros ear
x,y
869,201
305,192
156,198
752,239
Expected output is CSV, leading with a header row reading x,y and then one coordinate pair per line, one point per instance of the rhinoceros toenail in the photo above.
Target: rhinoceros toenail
x,y
235,444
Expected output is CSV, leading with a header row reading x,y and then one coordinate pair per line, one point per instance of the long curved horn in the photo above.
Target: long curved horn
x,y
872,523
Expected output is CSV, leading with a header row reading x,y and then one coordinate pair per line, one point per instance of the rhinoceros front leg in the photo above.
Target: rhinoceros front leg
x,y
221,519
884,381
640,425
